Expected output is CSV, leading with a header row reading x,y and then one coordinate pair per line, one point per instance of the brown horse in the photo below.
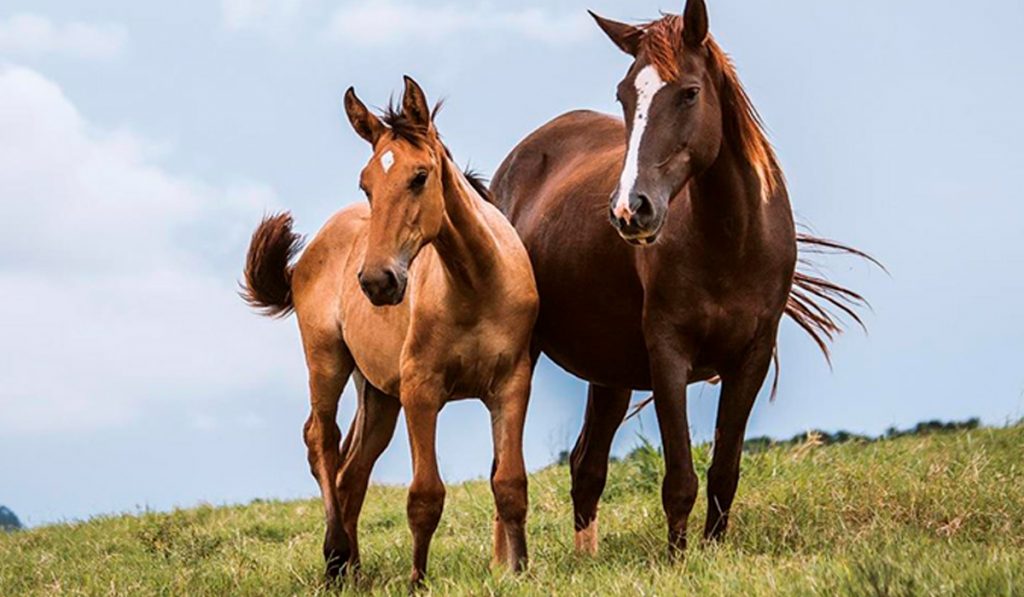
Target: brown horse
x,y
706,274
464,330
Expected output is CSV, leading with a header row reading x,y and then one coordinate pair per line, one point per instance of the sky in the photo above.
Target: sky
x,y
140,143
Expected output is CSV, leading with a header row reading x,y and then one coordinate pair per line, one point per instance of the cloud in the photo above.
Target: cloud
x,y
34,35
264,15
391,22
114,293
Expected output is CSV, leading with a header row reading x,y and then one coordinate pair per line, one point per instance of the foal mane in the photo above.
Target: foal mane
x,y
403,127
661,42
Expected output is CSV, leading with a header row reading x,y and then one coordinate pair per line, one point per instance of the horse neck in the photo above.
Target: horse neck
x,y
727,204
465,244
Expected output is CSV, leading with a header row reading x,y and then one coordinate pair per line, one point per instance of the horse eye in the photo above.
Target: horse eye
x,y
418,180
690,94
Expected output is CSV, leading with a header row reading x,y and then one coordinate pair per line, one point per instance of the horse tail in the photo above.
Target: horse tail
x,y
819,305
268,269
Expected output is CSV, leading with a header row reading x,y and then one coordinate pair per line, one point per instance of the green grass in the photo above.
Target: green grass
x,y
941,514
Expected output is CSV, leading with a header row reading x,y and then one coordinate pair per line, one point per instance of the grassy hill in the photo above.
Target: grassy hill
x,y
940,514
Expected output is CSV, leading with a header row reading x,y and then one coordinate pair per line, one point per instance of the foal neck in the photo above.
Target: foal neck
x,y
465,244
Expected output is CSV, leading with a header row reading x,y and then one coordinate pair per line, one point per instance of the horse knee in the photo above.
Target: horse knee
x,y
424,507
588,483
510,497
678,495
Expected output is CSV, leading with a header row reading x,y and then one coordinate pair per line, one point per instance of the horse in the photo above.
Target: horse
x,y
424,294
692,277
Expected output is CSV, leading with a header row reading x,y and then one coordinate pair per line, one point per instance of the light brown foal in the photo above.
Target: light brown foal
x,y
425,295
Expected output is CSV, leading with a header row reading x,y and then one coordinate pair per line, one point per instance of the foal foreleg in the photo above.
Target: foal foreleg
x,y
606,407
739,390
372,430
422,402
508,475
329,369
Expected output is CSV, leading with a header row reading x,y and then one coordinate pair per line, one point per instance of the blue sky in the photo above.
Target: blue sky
x,y
141,142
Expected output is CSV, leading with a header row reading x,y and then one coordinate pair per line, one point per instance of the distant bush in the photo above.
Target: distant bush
x,y
8,520
760,444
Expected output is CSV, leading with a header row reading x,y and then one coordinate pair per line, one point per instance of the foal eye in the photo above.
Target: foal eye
x,y
418,180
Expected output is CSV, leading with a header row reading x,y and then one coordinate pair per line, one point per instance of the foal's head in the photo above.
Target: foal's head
x,y
402,182
673,110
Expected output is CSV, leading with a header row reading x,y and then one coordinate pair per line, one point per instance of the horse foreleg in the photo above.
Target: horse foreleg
x,y
508,474
606,408
739,390
670,372
426,492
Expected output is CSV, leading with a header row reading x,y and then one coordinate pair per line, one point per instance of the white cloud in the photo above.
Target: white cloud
x,y
393,22
113,298
265,15
34,35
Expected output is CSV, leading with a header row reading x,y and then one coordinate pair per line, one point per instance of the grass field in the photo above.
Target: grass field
x,y
941,514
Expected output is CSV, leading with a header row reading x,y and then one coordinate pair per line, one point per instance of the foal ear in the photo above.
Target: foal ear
x,y
625,36
695,23
366,124
414,103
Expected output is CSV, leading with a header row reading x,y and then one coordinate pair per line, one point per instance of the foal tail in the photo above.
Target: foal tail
x,y
268,270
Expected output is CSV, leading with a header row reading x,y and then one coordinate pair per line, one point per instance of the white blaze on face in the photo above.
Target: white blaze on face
x,y
648,83
387,160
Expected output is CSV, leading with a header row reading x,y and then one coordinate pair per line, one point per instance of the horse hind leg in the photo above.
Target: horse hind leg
x,y
371,432
606,408
330,364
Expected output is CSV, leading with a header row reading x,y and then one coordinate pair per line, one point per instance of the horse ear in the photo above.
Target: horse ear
x,y
695,23
625,36
414,103
366,124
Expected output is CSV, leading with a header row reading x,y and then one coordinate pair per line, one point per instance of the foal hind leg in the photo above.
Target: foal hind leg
x,y
508,474
606,407
739,390
371,432
330,365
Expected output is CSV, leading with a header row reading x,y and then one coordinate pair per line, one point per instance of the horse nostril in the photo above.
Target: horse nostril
x,y
390,282
642,206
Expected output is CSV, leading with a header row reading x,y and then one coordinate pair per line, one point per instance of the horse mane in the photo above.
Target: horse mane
x,y
479,183
662,44
403,127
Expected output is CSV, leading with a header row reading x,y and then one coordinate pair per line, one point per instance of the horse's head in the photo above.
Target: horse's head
x,y
402,182
673,116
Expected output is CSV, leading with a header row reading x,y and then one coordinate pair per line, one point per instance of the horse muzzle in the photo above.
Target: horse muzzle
x,y
384,285
638,220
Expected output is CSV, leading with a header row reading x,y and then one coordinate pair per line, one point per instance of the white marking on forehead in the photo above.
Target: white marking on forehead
x,y
387,160
648,83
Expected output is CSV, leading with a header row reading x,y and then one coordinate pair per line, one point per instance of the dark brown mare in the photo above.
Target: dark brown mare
x,y
461,330
692,276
